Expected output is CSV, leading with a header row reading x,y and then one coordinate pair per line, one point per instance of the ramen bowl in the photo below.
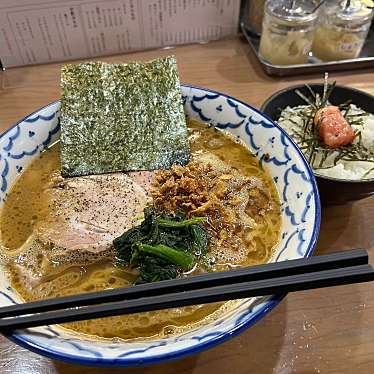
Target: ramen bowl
x,y
300,208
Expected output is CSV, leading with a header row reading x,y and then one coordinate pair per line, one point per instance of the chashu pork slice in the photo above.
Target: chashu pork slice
x,y
86,213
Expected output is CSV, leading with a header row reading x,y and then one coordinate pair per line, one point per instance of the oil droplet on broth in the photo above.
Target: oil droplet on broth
x,y
168,330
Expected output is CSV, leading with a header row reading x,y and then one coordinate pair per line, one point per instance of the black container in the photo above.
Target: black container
x,y
332,190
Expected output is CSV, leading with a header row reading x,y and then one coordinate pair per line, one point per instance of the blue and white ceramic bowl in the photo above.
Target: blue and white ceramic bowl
x,y
300,213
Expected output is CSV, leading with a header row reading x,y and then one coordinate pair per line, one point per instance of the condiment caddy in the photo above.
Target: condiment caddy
x,y
299,37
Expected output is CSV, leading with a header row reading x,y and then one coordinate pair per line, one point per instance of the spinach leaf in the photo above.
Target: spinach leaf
x,y
162,246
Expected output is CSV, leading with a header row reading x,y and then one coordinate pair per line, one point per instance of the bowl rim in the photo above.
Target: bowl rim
x,y
295,87
199,346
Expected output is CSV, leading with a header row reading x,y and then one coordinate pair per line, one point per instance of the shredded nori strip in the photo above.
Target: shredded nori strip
x,y
308,139
122,117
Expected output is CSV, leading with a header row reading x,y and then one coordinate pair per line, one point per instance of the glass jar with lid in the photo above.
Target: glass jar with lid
x,y
287,31
342,29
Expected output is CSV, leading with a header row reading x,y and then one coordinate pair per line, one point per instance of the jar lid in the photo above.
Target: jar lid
x,y
353,10
292,11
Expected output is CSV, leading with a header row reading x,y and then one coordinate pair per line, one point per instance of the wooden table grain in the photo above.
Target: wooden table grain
x,y
320,331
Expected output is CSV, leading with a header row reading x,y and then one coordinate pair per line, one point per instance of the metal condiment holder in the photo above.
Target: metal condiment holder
x,y
313,65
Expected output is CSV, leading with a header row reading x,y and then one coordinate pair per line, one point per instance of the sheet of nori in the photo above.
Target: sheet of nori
x,y
122,117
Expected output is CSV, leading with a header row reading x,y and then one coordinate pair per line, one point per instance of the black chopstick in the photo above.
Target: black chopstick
x,y
272,270
279,285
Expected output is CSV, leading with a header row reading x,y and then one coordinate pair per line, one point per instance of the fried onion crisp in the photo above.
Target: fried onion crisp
x,y
229,201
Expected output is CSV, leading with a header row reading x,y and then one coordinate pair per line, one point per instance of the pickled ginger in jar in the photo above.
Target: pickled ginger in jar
x,y
342,29
287,31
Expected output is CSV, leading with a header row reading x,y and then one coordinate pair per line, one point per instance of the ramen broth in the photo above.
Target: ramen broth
x,y
27,206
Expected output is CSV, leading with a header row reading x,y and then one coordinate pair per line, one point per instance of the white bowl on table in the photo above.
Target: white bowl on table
x,y
298,193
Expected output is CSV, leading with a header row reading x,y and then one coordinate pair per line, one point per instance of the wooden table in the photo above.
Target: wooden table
x,y
320,331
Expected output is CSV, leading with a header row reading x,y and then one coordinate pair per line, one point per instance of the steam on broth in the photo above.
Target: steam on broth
x,y
44,261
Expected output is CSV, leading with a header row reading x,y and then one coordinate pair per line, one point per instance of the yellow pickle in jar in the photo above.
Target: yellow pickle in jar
x,y
342,29
287,31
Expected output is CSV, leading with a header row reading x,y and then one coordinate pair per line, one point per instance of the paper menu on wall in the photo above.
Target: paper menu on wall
x,y
41,31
